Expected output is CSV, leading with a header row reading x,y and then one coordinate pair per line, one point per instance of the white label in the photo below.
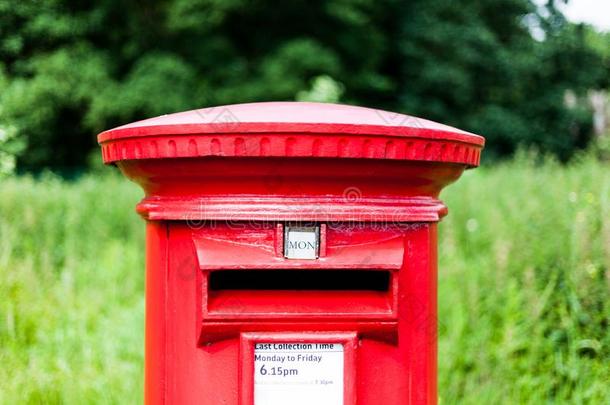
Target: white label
x,y
298,374
301,243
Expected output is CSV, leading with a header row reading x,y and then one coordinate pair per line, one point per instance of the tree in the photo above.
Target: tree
x,y
72,69
477,66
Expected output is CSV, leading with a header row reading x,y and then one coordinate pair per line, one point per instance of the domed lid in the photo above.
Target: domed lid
x,y
291,129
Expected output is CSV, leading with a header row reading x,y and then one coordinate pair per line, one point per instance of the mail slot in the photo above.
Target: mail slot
x,y
291,251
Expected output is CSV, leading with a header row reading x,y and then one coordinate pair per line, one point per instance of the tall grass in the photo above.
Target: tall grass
x,y
524,288
524,293
71,281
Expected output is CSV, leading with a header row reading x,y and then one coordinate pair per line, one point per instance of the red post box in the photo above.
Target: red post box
x,y
291,251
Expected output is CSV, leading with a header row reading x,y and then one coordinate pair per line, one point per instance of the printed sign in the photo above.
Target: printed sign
x,y
298,374
301,242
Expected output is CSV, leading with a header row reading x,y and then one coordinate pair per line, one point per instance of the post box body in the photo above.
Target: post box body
x,y
226,307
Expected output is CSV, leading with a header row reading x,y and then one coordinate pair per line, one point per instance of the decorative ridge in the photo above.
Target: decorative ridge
x,y
246,208
461,149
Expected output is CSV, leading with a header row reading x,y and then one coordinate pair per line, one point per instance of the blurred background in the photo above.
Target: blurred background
x,y
524,299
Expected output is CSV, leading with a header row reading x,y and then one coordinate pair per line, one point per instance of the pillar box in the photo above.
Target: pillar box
x,y
291,251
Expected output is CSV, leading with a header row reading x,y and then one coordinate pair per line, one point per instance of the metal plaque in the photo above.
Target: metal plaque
x,y
301,242
298,374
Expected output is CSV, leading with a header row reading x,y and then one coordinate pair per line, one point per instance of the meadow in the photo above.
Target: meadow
x,y
524,287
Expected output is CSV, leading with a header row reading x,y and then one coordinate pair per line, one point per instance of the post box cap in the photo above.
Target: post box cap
x,y
291,129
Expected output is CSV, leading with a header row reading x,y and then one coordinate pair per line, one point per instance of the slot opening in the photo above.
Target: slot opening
x,y
300,280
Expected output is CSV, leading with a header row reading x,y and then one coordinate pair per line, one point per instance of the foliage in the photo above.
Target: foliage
x,y
323,90
10,146
476,65
524,308
600,43
75,68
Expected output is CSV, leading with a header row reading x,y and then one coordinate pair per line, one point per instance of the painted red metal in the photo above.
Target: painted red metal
x,y
220,186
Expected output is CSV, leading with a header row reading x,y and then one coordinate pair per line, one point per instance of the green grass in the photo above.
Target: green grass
x,y
524,288
71,288
524,294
